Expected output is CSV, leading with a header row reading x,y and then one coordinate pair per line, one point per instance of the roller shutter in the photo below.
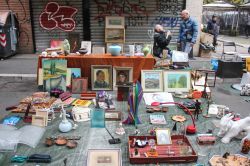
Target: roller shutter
x,y
63,27
140,18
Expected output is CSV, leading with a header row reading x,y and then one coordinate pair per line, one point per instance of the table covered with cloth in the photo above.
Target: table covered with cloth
x,y
97,138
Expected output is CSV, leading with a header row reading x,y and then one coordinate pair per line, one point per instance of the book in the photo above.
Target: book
x,y
157,119
81,103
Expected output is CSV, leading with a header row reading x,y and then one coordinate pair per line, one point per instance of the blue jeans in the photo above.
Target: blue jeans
x,y
188,48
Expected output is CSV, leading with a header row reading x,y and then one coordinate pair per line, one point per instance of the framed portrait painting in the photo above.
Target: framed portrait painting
x,y
177,81
101,77
104,157
122,75
114,22
163,137
79,85
152,80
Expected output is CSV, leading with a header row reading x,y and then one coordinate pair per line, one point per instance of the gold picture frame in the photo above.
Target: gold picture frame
x,y
114,35
163,136
101,77
126,71
152,80
114,22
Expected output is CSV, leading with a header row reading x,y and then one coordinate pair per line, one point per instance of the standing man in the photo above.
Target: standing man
x,y
188,33
213,29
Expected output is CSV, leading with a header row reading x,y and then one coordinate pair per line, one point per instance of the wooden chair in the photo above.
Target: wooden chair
x,y
224,52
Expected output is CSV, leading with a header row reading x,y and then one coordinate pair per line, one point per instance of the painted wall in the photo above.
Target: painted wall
x,y
197,14
21,9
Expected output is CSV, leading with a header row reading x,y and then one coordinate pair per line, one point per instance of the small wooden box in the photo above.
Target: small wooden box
x,y
206,140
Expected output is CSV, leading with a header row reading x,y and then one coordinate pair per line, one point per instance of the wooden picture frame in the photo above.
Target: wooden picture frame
x,y
114,22
79,85
101,157
113,115
113,35
118,71
101,77
119,44
152,80
163,136
177,80
38,120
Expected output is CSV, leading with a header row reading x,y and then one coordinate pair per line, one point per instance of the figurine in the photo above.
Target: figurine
x,y
137,131
120,130
230,128
66,47
197,109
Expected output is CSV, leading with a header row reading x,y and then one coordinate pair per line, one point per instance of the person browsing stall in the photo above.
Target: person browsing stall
x,y
213,29
188,33
161,40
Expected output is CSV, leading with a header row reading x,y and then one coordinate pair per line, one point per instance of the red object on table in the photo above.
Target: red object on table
x,y
85,61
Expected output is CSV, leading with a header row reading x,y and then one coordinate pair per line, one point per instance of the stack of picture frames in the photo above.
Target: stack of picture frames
x,y
168,81
114,31
74,81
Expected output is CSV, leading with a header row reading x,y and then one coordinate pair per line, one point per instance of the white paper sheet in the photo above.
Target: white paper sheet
x,y
158,97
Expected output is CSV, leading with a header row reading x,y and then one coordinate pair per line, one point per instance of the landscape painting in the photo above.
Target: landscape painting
x,y
151,80
54,74
75,73
177,81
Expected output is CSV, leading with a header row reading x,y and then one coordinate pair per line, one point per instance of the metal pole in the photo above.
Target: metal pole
x,y
233,21
237,24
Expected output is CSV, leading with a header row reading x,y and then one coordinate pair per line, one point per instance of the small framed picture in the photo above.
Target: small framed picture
x,y
113,115
101,77
114,35
104,157
110,44
114,22
177,81
163,137
38,120
79,85
139,47
152,80
122,75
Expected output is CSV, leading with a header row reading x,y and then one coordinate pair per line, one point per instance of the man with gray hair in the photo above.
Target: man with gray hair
x,y
161,41
188,33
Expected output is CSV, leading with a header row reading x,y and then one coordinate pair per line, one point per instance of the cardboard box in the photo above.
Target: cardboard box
x,y
206,38
205,53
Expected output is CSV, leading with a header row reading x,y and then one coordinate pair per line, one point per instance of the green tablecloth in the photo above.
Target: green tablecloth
x,y
98,138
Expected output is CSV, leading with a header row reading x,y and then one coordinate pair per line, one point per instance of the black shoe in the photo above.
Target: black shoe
x,y
192,58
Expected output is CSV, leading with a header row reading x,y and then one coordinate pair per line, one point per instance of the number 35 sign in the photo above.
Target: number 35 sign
x,y
56,16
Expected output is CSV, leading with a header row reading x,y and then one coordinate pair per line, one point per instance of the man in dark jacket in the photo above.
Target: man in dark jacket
x,y
213,29
161,41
